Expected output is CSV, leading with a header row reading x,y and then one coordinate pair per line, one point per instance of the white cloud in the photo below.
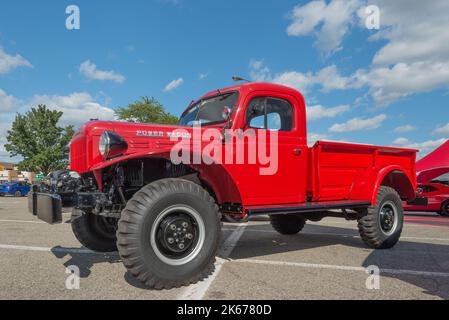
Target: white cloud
x,y
424,146
90,71
359,124
78,107
173,85
411,34
261,73
330,79
312,137
401,141
9,62
7,102
297,80
203,76
388,84
329,23
443,129
414,59
327,79
405,128
319,112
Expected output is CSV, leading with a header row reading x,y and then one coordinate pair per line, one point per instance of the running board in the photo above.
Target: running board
x,y
307,207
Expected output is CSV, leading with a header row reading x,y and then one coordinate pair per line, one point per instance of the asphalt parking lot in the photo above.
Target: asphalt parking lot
x,y
326,261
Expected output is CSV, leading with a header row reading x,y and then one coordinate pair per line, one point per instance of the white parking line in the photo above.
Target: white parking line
x,y
198,291
56,249
345,268
344,235
21,221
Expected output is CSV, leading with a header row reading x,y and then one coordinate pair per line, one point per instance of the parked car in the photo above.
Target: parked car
x,y
433,182
163,216
16,189
436,191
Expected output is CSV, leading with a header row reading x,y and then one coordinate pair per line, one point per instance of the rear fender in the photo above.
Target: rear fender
x,y
366,186
397,178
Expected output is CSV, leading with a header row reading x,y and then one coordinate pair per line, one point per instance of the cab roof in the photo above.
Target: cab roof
x,y
254,86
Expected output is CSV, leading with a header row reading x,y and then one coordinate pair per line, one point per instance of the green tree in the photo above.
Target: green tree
x,y
37,137
148,110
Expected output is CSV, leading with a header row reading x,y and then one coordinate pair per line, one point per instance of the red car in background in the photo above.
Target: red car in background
x,y
433,182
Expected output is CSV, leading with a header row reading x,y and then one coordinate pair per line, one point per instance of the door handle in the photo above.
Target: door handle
x,y
297,151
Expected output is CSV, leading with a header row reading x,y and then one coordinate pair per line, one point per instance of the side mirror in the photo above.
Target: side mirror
x,y
226,114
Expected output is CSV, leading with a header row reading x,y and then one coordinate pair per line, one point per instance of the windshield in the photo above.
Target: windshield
x,y
444,179
209,111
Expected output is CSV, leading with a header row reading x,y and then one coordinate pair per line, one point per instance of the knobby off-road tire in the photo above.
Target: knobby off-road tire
x,y
94,232
381,226
157,221
288,224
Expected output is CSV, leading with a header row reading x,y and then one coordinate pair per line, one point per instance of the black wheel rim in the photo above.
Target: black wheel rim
x,y
177,235
388,217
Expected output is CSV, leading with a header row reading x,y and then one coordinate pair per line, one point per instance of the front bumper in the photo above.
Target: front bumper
x,y
47,207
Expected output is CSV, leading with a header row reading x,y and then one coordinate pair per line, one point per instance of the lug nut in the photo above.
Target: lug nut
x,y
171,240
181,246
185,224
173,227
189,236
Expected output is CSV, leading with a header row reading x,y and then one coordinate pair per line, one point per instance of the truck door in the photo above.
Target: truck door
x,y
278,113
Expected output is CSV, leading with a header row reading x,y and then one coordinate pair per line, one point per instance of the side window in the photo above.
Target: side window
x,y
255,113
270,113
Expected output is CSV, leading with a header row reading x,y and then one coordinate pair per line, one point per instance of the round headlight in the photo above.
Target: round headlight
x,y
104,144
111,145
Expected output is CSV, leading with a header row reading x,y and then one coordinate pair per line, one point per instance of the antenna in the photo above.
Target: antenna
x,y
236,78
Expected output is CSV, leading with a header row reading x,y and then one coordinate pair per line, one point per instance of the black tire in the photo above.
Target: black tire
x,y
95,232
17,194
288,224
444,212
381,226
229,218
143,234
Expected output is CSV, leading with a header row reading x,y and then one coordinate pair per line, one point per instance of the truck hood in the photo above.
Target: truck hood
x,y
142,139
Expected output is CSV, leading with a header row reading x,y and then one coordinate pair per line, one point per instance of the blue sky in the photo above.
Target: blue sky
x,y
387,86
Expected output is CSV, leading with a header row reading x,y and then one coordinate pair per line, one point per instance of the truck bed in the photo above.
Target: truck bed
x,y
342,170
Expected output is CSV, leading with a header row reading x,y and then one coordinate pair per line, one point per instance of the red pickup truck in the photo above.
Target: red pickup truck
x,y
163,214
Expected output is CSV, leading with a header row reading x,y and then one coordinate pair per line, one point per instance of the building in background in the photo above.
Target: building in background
x,y
10,173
